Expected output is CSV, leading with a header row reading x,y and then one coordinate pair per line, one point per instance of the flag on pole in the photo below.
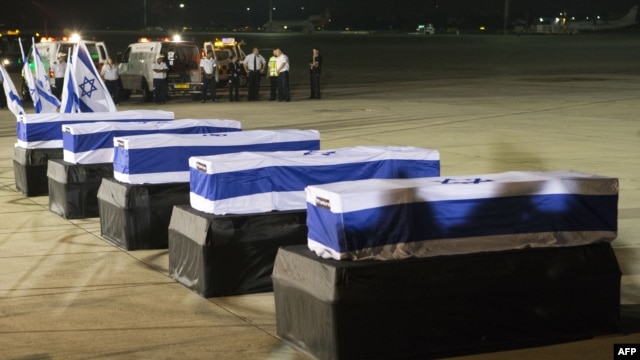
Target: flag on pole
x,y
31,84
13,100
48,102
92,93
69,99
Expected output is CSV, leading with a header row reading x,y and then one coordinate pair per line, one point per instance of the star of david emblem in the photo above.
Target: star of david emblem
x,y
91,88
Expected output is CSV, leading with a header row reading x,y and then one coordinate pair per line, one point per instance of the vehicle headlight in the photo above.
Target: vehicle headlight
x,y
6,62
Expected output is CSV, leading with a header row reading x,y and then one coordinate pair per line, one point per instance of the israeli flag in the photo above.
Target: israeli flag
x,y
13,100
69,102
92,93
31,84
48,102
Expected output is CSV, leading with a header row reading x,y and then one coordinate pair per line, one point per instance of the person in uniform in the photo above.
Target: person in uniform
x,y
282,63
273,77
234,79
254,65
209,68
315,69
160,70
111,78
59,69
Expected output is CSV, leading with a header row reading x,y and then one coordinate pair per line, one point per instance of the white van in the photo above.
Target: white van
x,y
182,57
49,48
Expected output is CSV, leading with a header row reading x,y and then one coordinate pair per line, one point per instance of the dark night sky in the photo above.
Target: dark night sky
x,y
385,14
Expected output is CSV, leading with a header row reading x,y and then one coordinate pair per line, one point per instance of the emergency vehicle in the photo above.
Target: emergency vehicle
x,y
50,47
222,50
10,56
182,57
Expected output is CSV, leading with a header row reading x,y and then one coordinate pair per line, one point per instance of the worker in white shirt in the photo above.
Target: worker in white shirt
x,y
254,66
111,78
209,68
282,62
59,69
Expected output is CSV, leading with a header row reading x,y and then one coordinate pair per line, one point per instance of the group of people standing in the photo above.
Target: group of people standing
x,y
255,66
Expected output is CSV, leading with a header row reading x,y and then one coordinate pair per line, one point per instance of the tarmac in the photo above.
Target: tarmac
x,y
65,293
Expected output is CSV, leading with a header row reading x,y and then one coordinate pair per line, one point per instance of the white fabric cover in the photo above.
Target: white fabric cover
x,y
92,143
245,183
393,219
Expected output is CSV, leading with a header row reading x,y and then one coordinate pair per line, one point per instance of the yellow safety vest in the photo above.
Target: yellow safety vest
x,y
273,67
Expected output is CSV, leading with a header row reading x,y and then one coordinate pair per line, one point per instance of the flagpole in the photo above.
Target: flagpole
x,y
145,13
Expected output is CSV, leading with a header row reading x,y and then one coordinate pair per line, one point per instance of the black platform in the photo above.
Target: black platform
x,y
446,305
135,217
222,255
30,169
73,188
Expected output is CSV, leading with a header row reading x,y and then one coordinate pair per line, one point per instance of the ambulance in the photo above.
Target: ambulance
x,y
182,57
223,49
50,47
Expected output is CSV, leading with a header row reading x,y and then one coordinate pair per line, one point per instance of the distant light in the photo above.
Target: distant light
x,y
5,62
286,27
541,20
482,28
177,38
75,37
248,9
274,8
181,6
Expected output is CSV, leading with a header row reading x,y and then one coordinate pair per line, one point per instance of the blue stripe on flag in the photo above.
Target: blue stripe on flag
x,y
412,222
101,140
296,178
176,158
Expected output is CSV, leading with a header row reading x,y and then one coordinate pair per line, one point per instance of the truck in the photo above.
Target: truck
x,y
182,57
50,47
222,50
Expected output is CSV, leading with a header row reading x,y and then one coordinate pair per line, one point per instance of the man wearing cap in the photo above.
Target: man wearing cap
x,y
59,68
160,70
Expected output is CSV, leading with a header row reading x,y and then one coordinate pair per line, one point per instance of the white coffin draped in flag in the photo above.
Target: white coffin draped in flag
x,y
91,91
48,102
69,102
164,158
44,131
276,180
92,143
13,100
399,218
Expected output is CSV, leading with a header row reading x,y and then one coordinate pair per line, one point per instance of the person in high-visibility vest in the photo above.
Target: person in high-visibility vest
x,y
273,76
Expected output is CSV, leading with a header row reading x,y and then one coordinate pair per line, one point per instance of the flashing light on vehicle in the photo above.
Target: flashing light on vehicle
x,y
6,62
177,38
75,37
228,41
144,39
13,32
47,39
